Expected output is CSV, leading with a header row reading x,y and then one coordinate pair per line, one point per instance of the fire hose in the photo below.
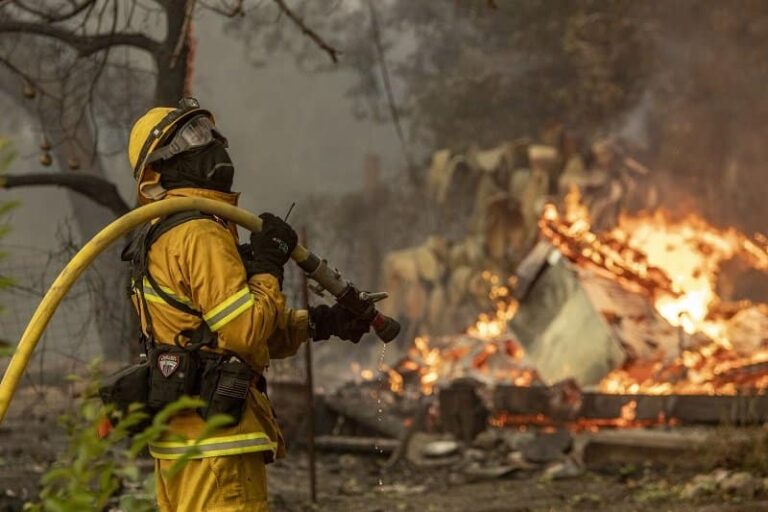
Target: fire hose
x,y
358,302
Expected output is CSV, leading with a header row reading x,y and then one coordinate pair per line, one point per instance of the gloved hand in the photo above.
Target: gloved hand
x,y
246,256
271,247
327,321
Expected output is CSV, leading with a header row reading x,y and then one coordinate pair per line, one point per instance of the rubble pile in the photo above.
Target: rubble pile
x,y
556,332
626,303
489,203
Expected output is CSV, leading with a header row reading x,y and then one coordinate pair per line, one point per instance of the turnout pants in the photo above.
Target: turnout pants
x,y
231,483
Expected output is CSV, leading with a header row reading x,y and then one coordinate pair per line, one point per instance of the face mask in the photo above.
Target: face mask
x,y
207,167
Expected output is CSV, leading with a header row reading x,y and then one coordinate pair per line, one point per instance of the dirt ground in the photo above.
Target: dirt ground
x,y
30,441
351,483
358,484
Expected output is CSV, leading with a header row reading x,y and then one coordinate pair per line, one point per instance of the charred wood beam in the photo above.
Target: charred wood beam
x,y
521,400
690,409
366,414
462,412
735,410
346,444
93,187
639,447
602,406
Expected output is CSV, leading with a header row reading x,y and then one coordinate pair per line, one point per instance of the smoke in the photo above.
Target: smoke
x,y
291,133
635,125
703,112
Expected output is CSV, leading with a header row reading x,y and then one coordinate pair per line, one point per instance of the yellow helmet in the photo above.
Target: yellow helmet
x,y
149,132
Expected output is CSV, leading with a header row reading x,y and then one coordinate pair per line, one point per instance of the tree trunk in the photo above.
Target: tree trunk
x,y
174,58
72,139
107,276
109,303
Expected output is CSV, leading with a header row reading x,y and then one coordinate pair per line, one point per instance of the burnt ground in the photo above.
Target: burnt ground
x,y
30,439
358,483
351,483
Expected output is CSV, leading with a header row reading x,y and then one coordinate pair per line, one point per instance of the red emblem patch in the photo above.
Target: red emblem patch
x,y
168,363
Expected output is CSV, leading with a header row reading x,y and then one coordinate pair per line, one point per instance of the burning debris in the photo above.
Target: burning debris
x,y
675,264
634,322
632,311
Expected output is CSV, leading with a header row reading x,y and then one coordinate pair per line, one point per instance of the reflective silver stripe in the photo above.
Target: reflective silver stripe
x,y
235,304
153,296
215,447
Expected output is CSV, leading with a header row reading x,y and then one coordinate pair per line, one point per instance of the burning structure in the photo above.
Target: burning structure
x,y
674,265
632,319
563,329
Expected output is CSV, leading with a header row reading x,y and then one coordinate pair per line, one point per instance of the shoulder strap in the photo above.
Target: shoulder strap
x,y
166,224
137,252
156,231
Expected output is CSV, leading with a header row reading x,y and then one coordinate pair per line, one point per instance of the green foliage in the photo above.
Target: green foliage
x,y
585,499
7,153
98,474
656,492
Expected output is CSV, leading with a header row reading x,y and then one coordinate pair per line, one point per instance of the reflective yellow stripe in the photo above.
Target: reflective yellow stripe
x,y
152,296
213,447
225,312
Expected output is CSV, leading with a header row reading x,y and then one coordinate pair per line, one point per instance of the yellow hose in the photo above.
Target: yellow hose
x,y
85,257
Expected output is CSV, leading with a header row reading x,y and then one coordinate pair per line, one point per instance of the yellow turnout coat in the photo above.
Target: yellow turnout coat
x,y
198,263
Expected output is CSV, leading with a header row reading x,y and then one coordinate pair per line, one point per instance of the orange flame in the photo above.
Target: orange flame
x,y
676,262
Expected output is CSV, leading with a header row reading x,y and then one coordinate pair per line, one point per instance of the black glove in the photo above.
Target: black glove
x,y
271,247
246,255
327,321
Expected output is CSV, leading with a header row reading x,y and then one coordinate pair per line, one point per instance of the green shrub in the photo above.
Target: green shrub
x,y
97,474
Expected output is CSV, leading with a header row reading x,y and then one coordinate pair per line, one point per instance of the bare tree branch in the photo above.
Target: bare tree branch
x,y
235,10
84,45
376,34
95,188
332,52
28,79
55,18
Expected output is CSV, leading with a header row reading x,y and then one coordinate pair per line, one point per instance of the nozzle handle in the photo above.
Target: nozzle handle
x,y
360,303
386,328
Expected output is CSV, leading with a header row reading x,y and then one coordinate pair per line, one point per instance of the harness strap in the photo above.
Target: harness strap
x,y
137,253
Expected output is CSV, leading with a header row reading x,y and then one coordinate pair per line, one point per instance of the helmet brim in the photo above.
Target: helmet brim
x,y
147,179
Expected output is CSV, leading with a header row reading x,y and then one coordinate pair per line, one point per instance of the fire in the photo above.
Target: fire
x,y
691,252
628,413
486,351
627,419
675,262
493,325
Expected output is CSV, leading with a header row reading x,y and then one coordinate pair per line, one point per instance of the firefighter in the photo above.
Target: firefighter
x,y
212,316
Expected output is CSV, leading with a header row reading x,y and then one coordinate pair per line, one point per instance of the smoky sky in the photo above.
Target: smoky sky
x,y
291,134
